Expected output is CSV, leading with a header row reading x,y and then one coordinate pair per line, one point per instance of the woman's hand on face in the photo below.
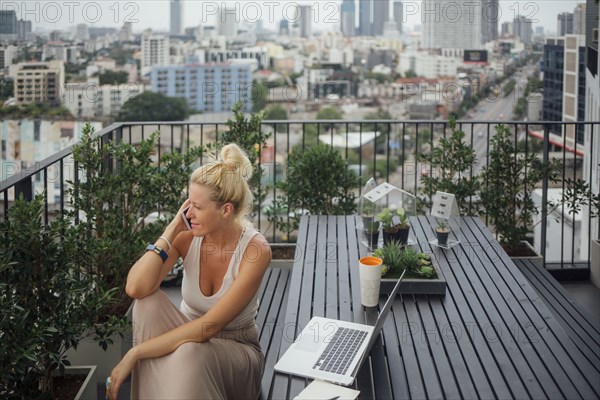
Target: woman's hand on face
x,y
119,374
177,222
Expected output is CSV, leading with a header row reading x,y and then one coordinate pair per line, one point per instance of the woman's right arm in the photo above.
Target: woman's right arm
x,y
148,272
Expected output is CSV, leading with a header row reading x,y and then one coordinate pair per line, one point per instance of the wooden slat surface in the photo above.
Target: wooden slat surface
x,y
490,336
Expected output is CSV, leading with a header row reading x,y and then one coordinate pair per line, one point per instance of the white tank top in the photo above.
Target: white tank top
x,y
195,304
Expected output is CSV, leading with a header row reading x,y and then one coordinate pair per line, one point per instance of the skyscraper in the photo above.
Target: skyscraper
x,y
579,14
398,13
176,17
227,22
348,11
489,20
365,11
564,23
522,27
381,14
306,15
451,25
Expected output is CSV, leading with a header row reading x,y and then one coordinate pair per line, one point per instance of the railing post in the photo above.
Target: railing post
x,y
544,193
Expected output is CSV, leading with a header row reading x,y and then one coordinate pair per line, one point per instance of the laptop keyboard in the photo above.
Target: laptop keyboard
x,y
340,351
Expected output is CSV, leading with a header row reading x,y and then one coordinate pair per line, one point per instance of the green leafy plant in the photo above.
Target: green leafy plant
x,y
442,225
402,218
387,219
48,303
391,254
120,188
373,227
247,133
318,182
507,185
451,159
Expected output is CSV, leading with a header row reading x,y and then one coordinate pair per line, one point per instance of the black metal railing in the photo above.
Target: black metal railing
x,y
383,149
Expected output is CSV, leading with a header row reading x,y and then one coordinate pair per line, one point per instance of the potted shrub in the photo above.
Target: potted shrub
x,y
391,254
121,201
506,194
402,227
442,232
387,225
48,305
451,158
318,181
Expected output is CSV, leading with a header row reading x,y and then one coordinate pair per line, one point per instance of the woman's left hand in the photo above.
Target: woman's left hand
x,y
119,374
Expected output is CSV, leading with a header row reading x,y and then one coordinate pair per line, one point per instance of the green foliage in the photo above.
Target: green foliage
x,y
391,254
410,74
40,110
48,304
259,96
451,160
509,87
7,89
119,187
277,113
507,185
149,106
109,77
120,55
247,133
387,218
534,85
328,113
318,181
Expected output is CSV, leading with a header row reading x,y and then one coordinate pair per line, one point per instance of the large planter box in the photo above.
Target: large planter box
x,y
536,258
89,352
417,285
88,389
595,262
284,255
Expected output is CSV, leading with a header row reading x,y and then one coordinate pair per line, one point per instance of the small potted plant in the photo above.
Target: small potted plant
x,y
442,232
391,254
402,227
387,224
372,231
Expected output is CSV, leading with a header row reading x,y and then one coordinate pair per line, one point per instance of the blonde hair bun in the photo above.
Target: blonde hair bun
x,y
236,160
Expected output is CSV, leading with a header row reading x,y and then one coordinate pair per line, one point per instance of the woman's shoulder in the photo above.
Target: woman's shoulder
x,y
259,245
183,241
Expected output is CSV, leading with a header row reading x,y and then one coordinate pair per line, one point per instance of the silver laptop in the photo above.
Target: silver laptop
x,y
332,350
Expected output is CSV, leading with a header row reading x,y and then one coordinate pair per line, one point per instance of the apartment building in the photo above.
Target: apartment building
x,y
89,99
206,87
39,82
155,51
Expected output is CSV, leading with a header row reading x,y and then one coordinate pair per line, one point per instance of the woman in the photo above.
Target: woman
x,y
207,349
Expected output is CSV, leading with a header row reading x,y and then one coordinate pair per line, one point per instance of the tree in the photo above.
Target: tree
x,y
410,74
260,96
277,112
328,113
109,77
150,106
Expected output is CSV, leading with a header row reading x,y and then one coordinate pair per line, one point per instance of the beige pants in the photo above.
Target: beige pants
x,y
229,366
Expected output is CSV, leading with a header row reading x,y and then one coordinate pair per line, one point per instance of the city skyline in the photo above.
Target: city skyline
x,y
64,15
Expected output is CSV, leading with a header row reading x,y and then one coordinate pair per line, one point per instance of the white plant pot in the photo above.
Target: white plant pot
x,y
88,388
595,262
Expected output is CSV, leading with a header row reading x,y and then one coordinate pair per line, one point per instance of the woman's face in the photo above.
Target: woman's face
x,y
205,214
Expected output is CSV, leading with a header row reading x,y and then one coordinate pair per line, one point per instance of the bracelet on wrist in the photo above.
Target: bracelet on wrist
x,y
160,252
167,242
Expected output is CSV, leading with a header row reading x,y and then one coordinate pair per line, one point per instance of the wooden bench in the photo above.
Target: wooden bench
x,y
577,323
273,295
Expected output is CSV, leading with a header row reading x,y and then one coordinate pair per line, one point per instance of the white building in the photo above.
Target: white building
x,y
429,65
7,55
155,51
39,82
88,100
448,24
306,17
177,17
227,22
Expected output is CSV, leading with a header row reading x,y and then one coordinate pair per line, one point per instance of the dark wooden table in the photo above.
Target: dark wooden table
x,y
490,336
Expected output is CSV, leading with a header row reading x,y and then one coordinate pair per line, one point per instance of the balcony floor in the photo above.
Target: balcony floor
x,y
586,294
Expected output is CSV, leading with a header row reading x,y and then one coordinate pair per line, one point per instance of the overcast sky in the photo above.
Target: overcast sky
x,y
47,14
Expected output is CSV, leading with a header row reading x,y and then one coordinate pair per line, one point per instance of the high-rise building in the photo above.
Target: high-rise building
x,y
592,113
489,20
398,13
451,25
7,54
306,16
40,82
506,29
8,25
177,17
381,14
522,27
564,24
155,51
348,13
126,32
227,24
23,28
206,87
82,33
365,12
579,14
284,27
564,83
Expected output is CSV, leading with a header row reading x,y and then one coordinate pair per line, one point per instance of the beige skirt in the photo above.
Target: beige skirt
x,y
229,366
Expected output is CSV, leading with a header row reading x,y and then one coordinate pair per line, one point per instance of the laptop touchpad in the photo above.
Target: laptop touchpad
x,y
309,342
